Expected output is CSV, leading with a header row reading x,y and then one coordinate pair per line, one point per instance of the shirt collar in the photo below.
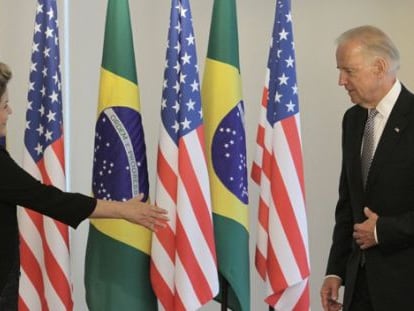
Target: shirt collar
x,y
386,104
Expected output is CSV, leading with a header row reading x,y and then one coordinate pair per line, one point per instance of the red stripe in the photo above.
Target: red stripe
x,y
288,220
161,288
304,300
22,305
293,138
33,271
260,262
166,238
57,277
277,279
263,214
265,96
58,149
191,265
167,176
196,196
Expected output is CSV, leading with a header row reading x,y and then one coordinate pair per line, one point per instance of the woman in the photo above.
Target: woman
x,y
17,187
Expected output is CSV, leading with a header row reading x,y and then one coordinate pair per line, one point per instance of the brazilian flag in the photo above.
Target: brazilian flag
x,y
117,256
223,112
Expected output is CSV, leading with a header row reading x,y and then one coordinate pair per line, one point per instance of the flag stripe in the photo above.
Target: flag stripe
x,y
183,261
281,250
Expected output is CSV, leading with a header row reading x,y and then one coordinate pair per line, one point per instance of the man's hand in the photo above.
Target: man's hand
x,y
329,294
364,232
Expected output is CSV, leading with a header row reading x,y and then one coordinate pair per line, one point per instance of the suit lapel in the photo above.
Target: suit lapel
x,y
357,131
396,124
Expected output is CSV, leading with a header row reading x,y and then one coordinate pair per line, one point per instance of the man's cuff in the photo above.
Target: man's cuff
x,y
333,276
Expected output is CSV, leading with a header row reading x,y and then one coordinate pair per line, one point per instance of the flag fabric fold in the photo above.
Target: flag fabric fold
x,y
44,243
282,254
223,110
118,253
183,262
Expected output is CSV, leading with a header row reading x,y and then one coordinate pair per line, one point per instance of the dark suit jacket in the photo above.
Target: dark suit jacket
x,y
389,193
19,188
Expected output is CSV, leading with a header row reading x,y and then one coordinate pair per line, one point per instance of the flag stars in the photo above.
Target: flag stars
x,y
54,97
176,126
278,96
39,149
50,13
42,110
48,135
190,39
51,116
182,78
289,62
37,28
186,58
49,32
39,8
178,27
290,107
295,89
46,52
283,79
283,34
40,130
177,67
186,124
194,86
190,104
33,67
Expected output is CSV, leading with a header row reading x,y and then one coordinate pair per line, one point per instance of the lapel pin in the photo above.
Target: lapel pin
x,y
397,129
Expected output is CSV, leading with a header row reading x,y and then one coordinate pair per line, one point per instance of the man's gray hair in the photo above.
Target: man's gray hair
x,y
375,42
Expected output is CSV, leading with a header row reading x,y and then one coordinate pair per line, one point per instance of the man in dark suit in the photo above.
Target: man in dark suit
x,y
372,252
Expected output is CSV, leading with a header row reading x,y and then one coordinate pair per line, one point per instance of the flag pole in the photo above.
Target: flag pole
x,y
224,295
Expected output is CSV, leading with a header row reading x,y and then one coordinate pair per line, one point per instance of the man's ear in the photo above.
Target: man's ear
x,y
381,66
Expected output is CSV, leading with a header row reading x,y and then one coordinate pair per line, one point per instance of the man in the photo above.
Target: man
x,y
372,252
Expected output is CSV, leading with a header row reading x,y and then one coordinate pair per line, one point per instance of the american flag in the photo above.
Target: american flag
x,y
282,243
183,262
44,247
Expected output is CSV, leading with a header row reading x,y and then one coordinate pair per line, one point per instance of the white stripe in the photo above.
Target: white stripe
x,y
291,180
169,149
162,262
28,293
199,165
57,245
33,240
199,245
52,298
54,169
185,289
30,166
163,199
265,196
290,296
282,248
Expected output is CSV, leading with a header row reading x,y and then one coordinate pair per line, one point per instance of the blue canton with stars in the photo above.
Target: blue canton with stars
x,y
283,98
120,163
181,103
44,113
229,153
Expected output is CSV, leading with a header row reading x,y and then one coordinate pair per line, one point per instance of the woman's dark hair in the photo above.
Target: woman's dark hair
x,y
5,76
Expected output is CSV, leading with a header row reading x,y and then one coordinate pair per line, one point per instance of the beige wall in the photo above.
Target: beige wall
x,y
322,102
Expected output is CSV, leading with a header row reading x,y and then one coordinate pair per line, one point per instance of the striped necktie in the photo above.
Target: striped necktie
x,y
368,146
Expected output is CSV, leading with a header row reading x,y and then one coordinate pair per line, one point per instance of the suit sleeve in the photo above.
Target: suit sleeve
x,y
342,234
396,232
17,187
